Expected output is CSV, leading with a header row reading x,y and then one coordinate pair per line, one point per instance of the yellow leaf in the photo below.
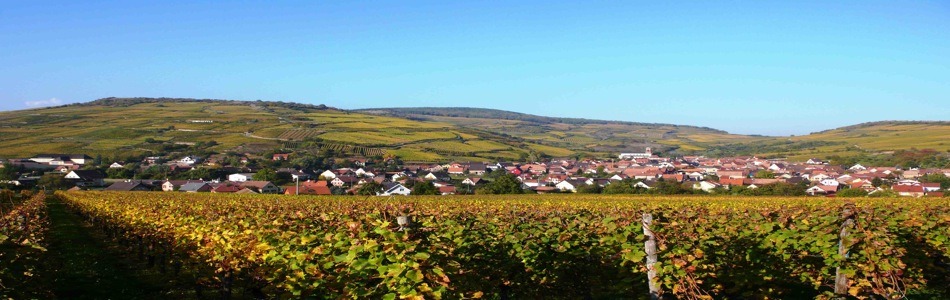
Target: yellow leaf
x,y
853,291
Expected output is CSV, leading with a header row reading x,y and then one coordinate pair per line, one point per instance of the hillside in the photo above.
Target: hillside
x,y
125,127
116,127
572,133
867,138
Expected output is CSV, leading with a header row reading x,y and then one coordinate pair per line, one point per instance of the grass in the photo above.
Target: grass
x,y
83,265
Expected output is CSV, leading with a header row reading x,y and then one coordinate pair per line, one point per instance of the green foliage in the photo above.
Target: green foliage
x,y
503,184
8,172
265,175
765,174
54,181
590,189
877,182
424,188
621,187
940,178
852,193
369,189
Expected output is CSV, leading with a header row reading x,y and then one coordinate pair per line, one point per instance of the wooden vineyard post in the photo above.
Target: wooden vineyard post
x,y
650,248
841,280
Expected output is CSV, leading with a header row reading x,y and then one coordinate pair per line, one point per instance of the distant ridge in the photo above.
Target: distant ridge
x,y
125,102
884,123
488,113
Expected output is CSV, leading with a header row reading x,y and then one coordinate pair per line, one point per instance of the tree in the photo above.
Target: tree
x,y
942,179
877,182
119,173
621,187
852,193
265,175
8,172
590,189
505,184
54,181
369,189
424,188
764,174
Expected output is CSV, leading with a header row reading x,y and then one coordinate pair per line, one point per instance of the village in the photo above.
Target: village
x,y
630,173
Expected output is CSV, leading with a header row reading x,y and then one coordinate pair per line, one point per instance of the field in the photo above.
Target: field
x,y
591,136
124,126
133,126
535,246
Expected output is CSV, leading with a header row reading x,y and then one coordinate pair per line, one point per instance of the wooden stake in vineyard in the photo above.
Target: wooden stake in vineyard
x,y
841,280
650,248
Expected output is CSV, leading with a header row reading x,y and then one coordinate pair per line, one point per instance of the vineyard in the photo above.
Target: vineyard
x,y
541,246
23,227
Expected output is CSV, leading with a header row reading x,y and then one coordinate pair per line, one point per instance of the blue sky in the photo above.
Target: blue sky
x,y
775,68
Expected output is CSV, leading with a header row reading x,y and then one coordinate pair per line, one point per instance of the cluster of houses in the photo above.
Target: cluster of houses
x,y
559,175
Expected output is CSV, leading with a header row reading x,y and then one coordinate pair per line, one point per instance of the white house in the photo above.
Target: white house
x,y
189,160
328,175
116,165
828,182
86,178
569,185
395,189
706,186
240,177
857,167
646,154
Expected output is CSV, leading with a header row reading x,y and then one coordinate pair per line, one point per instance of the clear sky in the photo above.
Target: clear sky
x,y
776,68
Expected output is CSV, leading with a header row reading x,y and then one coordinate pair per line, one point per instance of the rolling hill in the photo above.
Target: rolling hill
x,y
597,136
125,127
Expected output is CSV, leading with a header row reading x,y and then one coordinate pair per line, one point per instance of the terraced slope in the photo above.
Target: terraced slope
x,y
145,125
572,133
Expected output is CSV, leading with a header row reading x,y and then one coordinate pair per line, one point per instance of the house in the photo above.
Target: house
x,y
814,161
263,187
570,185
129,186
392,188
226,188
189,160
647,153
280,156
447,190
822,190
241,177
473,181
86,178
361,172
173,185
706,186
930,186
309,188
60,159
857,167
327,175
344,181
477,168
195,187
116,165
909,190
457,169
246,191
